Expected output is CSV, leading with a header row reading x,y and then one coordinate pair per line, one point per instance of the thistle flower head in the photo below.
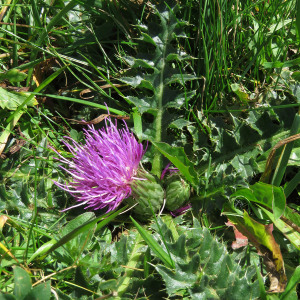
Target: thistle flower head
x,y
104,168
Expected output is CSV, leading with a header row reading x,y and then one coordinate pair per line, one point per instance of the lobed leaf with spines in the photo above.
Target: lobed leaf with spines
x,y
158,79
204,269
240,148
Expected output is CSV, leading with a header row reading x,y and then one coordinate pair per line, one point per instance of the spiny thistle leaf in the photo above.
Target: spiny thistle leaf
x,y
203,268
240,148
158,76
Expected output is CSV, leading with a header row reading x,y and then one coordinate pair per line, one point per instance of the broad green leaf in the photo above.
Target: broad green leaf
x,y
108,284
245,193
121,256
147,260
133,81
179,248
40,292
296,75
262,235
173,98
169,221
176,56
178,157
239,92
277,26
81,281
266,194
22,283
153,244
291,234
262,238
12,100
144,63
275,196
13,75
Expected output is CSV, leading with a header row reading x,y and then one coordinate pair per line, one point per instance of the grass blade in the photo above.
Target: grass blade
x,y
285,154
85,227
294,280
156,248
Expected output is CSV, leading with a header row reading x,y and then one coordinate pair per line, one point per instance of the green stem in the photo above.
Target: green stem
x,y
157,160
156,165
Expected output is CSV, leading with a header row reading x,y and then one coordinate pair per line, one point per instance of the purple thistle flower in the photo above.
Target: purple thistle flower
x,y
103,169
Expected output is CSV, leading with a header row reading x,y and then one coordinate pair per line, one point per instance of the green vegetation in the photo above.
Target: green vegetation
x,y
211,88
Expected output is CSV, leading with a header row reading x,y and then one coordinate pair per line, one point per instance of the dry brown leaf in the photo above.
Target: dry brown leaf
x,y
240,239
3,220
99,119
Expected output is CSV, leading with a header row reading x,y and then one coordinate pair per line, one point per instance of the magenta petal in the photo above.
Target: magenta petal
x,y
103,169
180,211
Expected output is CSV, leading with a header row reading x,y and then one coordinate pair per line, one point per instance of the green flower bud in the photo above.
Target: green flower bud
x,y
148,194
177,192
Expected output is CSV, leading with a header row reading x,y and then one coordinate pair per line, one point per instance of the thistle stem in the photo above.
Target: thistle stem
x,y
157,164
157,160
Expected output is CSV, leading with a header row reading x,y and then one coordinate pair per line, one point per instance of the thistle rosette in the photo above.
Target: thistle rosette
x,y
104,169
